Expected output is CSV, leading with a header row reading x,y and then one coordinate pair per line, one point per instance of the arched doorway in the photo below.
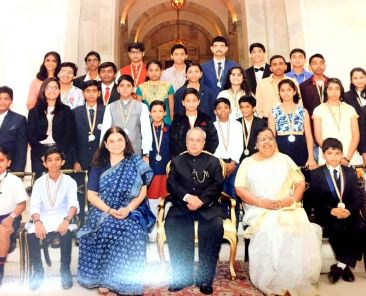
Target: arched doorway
x,y
200,21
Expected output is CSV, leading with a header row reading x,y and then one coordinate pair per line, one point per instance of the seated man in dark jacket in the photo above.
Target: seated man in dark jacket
x,y
195,183
337,200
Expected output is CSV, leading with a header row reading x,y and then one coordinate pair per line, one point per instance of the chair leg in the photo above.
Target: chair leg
x,y
233,247
246,246
160,244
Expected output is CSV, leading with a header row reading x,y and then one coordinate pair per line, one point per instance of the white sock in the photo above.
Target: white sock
x,y
341,265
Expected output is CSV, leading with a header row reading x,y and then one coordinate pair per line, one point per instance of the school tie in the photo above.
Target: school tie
x,y
106,95
91,114
336,178
219,69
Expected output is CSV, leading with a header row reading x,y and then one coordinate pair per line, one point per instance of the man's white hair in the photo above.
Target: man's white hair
x,y
203,133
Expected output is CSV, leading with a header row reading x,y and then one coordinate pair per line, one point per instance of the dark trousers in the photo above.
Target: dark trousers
x,y
35,251
180,236
347,239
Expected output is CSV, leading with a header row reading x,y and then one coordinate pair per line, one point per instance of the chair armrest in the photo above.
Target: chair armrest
x,y
226,197
161,210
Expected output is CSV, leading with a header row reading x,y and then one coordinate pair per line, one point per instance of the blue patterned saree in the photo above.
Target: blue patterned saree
x,y
112,252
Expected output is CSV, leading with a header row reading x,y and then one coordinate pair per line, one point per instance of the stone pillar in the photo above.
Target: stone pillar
x,y
99,30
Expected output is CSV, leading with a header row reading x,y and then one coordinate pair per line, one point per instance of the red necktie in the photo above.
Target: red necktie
x,y
106,95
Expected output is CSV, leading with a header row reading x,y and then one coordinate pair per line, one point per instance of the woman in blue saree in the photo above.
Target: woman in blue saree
x,y
113,241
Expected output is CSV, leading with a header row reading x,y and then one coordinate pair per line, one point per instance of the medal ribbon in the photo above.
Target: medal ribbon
x,y
246,132
339,193
158,144
289,122
336,122
52,199
125,122
91,124
138,73
225,142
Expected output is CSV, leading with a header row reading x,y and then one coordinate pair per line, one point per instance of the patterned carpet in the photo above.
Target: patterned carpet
x,y
223,285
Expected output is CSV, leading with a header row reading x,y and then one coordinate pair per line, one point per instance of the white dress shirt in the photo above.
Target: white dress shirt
x,y
66,197
12,192
2,117
235,143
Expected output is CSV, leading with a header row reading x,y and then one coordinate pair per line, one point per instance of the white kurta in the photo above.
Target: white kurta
x,y
285,247
66,197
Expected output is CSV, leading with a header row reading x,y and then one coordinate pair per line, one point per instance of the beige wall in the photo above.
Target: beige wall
x,y
29,29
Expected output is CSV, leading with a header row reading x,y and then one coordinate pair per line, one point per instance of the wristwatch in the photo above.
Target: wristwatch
x,y
13,216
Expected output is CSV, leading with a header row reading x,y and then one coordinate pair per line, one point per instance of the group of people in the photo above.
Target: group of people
x,y
245,132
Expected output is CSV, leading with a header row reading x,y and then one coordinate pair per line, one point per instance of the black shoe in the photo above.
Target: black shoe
x,y
175,288
66,279
347,275
206,289
335,273
36,281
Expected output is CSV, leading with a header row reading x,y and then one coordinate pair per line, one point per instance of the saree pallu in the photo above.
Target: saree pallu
x,y
112,251
284,248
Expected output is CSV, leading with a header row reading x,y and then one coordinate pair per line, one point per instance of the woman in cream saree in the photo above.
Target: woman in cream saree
x,y
284,246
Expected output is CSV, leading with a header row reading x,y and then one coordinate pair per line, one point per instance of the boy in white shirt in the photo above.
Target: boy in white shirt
x,y
12,204
53,204
230,146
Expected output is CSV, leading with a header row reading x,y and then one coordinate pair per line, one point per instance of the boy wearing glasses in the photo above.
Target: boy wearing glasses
x,y
92,61
136,69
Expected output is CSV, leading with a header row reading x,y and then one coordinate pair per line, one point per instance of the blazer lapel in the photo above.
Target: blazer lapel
x,y
7,121
328,181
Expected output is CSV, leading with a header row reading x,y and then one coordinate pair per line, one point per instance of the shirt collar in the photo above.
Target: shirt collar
x,y
314,81
331,169
5,113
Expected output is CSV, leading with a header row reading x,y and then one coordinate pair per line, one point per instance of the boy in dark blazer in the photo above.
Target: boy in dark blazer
x,y
215,70
260,68
88,123
337,200
13,131
250,125
108,87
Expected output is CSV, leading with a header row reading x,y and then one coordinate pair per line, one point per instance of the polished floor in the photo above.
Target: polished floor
x,y
52,285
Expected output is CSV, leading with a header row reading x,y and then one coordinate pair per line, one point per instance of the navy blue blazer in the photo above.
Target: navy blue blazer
x,y
13,136
206,103
209,75
84,150
323,198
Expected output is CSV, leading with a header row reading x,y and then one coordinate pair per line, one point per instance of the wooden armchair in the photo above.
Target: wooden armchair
x,y
21,234
230,232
